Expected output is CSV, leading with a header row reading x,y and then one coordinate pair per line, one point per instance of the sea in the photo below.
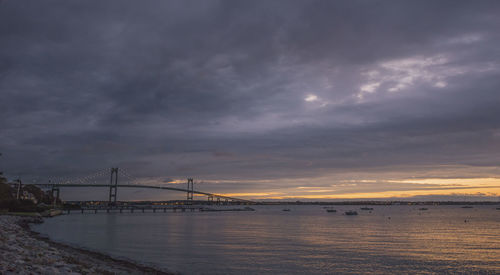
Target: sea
x,y
394,239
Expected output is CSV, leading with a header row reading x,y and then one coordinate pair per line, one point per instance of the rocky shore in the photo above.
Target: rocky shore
x,y
25,252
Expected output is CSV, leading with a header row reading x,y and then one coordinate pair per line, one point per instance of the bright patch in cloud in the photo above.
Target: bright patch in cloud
x,y
440,84
402,74
406,72
311,98
370,87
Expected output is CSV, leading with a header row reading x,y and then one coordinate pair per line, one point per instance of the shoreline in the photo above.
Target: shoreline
x,y
24,251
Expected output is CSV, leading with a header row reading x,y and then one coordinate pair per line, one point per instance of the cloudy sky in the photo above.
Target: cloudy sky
x,y
258,99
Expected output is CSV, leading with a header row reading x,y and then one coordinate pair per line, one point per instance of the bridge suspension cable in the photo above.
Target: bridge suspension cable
x,y
81,179
133,182
131,179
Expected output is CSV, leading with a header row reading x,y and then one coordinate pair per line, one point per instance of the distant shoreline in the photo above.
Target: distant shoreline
x,y
297,202
386,203
28,251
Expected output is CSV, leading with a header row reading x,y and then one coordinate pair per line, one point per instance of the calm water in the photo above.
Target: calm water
x,y
306,240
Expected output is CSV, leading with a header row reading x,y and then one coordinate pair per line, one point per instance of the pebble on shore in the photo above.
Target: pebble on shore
x,y
22,252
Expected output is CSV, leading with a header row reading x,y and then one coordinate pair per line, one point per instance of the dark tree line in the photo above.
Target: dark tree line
x,y
9,202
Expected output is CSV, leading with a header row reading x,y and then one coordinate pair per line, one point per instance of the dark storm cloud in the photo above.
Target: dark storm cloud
x,y
247,89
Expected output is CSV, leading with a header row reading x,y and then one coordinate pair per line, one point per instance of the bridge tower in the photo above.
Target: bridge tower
x,y
19,189
55,193
113,186
190,189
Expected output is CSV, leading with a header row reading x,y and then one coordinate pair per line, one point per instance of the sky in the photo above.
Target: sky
x,y
308,100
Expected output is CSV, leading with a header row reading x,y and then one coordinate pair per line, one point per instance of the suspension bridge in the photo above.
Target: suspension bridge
x,y
131,182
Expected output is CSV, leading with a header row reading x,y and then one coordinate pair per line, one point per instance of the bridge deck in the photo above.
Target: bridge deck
x,y
144,186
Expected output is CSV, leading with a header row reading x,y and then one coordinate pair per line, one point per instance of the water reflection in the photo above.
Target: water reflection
x,y
304,240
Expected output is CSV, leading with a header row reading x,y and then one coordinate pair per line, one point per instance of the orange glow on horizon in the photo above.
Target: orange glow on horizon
x,y
395,194
249,194
460,187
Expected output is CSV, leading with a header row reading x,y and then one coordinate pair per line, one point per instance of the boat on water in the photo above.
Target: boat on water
x,y
286,210
467,206
366,208
330,210
351,213
423,209
498,208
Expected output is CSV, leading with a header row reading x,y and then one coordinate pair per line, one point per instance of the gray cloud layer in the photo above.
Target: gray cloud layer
x,y
218,89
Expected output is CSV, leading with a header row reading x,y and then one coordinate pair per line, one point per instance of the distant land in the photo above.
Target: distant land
x,y
371,202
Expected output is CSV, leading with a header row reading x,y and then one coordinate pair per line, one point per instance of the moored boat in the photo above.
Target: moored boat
x,y
351,213
330,209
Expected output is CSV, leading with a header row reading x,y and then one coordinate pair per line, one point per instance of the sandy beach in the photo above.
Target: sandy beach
x,y
25,252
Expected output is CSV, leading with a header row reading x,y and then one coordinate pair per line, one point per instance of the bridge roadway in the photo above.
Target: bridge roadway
x,y
143,186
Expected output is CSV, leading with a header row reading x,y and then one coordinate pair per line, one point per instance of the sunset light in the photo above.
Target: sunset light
x,y
260,137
